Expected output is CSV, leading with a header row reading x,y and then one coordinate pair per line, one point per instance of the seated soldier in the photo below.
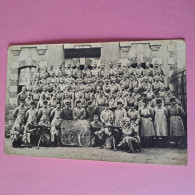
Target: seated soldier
x,y
66,113
79,112
17,133
108,131
29,128
130,137
95,126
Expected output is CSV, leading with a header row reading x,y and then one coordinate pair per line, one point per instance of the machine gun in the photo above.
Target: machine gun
x,y
41,130
114,131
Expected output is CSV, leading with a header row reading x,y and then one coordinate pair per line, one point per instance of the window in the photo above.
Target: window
x,y
25,75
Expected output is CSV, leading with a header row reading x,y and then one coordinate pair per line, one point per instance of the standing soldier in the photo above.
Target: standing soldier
x,y
95,72
22,95
138,70
119,114
79,112
59,71
147,132
106,114
160,121
91,111
68,71
134,116
51,71
176,115
44,74
20,111
31,114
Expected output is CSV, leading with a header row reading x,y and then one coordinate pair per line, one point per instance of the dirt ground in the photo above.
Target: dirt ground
x,y
166,156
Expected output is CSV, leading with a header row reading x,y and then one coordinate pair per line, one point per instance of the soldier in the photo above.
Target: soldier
x,y
59,71
44,111
29,128
147,132
111,70
160,121
79,112
157,69
28,101
77,73
22,95
148,70
68,71
55,124
51,72
95,126
130,137
101,100
67,112
120,69
138,70
44,74
106,114
31,114
103,72
106,88
17,133
176,115
134,116
36,74
91,111
41,100
20,111
85,71
53,102
119,114
95,72
36,97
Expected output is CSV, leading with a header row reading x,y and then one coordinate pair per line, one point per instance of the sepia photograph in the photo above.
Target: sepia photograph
x,y
107,101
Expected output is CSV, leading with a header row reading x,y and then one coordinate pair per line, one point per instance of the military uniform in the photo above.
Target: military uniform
x,y
119,114
79,113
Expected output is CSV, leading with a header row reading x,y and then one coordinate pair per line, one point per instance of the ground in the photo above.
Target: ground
x,y
166,156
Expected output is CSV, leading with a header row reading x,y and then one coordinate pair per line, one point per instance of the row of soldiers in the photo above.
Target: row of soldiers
x,y
115,94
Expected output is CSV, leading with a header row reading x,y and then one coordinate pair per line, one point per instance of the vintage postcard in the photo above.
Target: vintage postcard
x,y
109,101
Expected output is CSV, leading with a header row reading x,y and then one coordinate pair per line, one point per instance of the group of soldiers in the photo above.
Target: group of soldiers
x,y
133,104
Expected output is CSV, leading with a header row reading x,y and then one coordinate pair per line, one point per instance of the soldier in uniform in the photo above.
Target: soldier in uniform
x,y
106,114
36,74
95,126
134,116
103,72
20,111
68,70
79,112
176,115
91,111
59,72
44,74
147,132
148,70
22,95
119,114
28,101
44,111
67,112
31,114
51,72
130,137
138,70
36,97
17,133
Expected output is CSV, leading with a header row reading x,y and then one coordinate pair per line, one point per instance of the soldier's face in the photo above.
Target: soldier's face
x,y
78,105
58,106
173,103
158,104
